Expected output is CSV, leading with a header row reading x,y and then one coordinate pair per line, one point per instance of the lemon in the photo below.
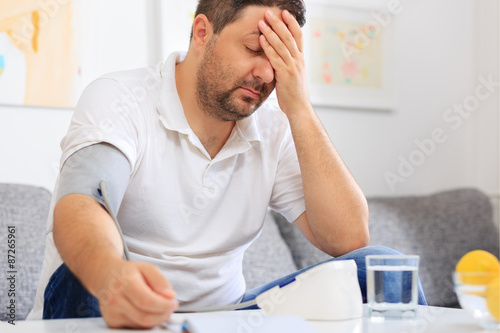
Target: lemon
x,y
478,261
493,298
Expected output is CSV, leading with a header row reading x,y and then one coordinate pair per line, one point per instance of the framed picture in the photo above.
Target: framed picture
x,y
38,60
349,53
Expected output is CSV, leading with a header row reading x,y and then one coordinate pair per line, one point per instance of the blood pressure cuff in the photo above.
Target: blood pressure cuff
x,y
83,172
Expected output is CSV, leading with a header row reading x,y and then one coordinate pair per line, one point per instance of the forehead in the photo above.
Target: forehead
x,y
249,19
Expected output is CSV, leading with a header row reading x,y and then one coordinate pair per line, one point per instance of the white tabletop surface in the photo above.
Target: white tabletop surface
x,y
429,320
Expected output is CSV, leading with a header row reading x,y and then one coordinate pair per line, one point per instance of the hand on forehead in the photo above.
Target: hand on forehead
x,y
252,15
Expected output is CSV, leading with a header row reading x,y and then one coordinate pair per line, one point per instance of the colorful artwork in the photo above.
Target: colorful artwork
x,y
2,64
13,73
345,53
37,53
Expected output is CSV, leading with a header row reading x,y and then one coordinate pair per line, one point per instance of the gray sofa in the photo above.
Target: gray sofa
x,y
440,228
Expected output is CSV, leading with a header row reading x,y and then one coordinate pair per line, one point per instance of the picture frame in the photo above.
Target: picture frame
x,y
349,53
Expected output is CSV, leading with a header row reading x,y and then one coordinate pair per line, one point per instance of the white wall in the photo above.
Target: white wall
x,y
112,35
442,46
29,144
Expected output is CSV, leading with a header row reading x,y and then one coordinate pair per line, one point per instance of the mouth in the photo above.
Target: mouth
x,y
255,94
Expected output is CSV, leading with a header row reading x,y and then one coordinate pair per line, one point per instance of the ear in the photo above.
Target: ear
x,y
202,32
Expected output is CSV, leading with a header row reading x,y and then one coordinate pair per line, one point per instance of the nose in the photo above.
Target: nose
x,y
263,69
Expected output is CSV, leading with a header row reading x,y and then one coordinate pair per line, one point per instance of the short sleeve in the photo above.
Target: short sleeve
x,y
288,194
104,113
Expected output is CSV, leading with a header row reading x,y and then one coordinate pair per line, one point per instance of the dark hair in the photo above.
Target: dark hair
x,y
223,12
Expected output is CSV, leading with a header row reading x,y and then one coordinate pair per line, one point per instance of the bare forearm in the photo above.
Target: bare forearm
x,y
336,207
86,238
130,294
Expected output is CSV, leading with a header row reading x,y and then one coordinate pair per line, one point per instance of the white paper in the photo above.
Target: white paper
x,y
255,322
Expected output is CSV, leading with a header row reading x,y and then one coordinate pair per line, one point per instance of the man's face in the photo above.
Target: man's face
x,y
235,77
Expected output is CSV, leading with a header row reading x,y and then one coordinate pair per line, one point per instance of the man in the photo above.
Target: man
x,y
193,157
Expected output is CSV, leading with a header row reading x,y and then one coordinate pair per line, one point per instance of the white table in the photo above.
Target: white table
x,y
429,320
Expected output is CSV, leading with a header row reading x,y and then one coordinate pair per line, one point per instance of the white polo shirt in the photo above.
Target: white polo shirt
x,y
189,214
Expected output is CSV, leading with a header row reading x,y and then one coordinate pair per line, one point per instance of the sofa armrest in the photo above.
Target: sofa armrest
x,y
27,208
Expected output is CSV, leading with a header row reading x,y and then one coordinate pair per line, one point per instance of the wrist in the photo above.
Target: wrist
x,y
99,272
301,114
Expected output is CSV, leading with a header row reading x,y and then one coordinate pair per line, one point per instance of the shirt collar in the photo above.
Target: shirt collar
x,y
169,104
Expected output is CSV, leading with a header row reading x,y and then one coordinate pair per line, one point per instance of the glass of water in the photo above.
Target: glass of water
x,y
392,286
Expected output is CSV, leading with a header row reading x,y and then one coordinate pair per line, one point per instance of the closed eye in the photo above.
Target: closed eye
x,y
259,51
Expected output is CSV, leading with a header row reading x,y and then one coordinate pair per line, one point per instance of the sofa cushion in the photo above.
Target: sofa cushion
x,y
303,252
268,258
440,228
26,208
